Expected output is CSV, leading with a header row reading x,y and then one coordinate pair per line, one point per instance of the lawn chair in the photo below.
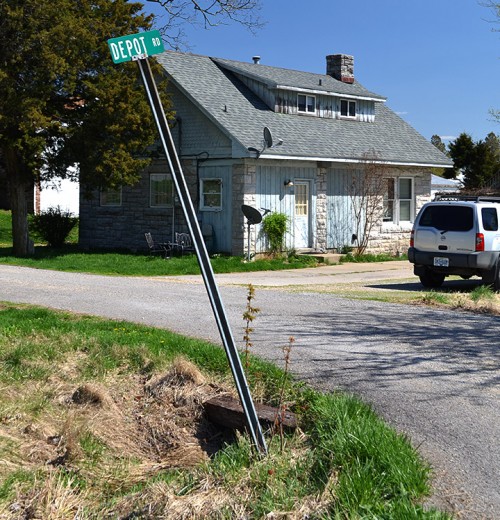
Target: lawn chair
x,y
156,248
183,243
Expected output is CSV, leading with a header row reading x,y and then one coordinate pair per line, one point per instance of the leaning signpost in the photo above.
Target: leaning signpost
x,y
137,47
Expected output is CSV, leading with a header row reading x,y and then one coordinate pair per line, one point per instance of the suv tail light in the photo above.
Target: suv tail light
x,y
479,242
412,238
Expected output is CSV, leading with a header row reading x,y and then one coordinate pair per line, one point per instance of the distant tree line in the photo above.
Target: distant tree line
x,y
478,162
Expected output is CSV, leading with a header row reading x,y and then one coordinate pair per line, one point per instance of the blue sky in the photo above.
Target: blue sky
x,y
436,61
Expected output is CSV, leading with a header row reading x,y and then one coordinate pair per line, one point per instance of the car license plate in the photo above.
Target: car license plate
x,y
440,261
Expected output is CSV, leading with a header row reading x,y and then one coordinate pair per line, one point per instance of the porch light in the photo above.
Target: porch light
x,y
289,183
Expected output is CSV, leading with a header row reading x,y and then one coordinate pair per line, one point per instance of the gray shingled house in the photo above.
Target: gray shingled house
x,y
325,129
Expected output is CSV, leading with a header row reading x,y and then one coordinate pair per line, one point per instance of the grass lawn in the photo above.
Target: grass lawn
x,y
104,419
71,258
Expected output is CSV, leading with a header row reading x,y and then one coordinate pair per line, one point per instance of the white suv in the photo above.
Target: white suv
x,y
457,236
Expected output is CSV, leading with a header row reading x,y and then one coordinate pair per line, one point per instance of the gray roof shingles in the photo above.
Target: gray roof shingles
x,y
274,77
242,115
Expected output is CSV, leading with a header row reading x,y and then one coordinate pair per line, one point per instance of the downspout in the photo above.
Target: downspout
x,y
198,185
178,122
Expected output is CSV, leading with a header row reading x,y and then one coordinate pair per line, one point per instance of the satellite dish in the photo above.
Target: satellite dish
x,y
253,215
268,138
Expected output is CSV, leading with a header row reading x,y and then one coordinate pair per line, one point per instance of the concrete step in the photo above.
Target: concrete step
x,y
324,258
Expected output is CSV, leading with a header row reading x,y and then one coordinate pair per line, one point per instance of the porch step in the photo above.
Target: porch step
x,y
323,258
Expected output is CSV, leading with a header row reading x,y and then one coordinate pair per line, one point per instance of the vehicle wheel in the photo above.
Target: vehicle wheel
x,y
432,280
496,281
492,277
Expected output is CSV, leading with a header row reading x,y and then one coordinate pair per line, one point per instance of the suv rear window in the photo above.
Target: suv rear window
x,y
490,219
448,218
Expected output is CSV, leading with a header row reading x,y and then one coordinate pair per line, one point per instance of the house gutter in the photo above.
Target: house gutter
x,y
352,161
331,93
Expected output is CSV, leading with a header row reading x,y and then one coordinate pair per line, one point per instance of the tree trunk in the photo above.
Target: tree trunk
x,y
20,188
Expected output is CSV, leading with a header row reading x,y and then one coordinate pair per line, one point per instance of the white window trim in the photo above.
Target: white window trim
x,y
307,96
396,220
202,194
112,204
411,200
347,116
151,205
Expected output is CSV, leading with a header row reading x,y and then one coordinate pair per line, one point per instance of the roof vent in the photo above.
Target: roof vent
x,y
256,59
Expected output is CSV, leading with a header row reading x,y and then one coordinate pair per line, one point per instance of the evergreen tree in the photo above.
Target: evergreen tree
x,y
64,101
479,162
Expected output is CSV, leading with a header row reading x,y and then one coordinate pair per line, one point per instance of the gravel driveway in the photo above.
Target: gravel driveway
x,y
433,374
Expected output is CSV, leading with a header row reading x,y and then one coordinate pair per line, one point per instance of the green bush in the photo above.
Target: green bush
x,y
53,225
274,227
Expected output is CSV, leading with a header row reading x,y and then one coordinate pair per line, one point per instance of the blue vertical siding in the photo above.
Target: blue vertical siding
x,y
340,226
272,194
328,106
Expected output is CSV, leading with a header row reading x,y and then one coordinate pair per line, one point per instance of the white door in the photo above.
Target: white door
x,y
301,221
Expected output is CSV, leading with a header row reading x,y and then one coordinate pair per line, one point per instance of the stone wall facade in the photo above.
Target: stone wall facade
x,y
321,209
123,226
395,238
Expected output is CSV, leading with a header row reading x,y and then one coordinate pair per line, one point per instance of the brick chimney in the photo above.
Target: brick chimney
x,y
341,67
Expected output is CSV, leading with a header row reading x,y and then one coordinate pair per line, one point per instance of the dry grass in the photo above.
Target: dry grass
x,y
483,305
387,292
139,425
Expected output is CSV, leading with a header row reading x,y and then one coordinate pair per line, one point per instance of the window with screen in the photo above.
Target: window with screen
x,y
398,200
347,108
161,190
306,103
110,197
211,194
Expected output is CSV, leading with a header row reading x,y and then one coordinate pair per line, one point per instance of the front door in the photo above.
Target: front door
x,y
302,209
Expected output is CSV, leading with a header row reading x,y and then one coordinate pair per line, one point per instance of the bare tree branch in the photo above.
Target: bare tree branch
x,y
494,7
207,14
495,114
366,192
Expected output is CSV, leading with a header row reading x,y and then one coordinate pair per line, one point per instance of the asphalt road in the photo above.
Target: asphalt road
x,y
433,374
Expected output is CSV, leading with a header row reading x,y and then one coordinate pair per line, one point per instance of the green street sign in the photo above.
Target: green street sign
x,y
135,46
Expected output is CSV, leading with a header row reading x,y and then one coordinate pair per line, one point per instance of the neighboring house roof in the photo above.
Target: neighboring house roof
x,y
439,183
211,84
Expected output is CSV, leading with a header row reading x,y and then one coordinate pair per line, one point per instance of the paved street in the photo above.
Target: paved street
x,y
433,374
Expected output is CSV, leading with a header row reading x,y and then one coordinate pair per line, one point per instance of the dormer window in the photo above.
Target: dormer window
x,y
306,104
347,108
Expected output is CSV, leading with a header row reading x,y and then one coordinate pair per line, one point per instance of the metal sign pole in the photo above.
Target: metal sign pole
x,y
202,254
248,242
